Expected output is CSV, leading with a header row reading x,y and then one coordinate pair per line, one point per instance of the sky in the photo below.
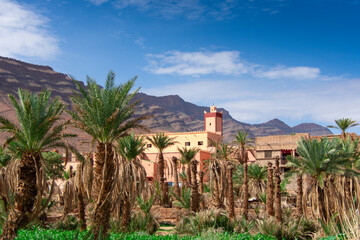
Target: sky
x,y
296,60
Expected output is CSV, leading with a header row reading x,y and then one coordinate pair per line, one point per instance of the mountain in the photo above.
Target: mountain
x,y
169,113
312,128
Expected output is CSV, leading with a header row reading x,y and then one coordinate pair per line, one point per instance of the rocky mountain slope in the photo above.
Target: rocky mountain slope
x,y
169,113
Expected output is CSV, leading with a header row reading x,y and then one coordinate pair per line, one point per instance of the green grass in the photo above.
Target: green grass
x,y
39,234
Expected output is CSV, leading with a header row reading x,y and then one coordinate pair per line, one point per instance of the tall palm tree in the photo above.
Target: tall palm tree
x,y
106,115
270,191
161,142
344,124
195,197
37,130
243,142
176,177
319,160
220,160
133,174
278,211
257,177
186,156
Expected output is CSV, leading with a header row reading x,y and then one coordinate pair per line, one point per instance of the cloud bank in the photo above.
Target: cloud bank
x,y
23,32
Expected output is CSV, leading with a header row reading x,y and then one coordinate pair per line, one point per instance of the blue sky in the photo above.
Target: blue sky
x,y
298,61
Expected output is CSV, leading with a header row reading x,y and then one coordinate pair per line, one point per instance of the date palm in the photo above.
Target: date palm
x,y
319,160
244,144
132,173
106,114
38,129
221,166
186,156
161,142
344,124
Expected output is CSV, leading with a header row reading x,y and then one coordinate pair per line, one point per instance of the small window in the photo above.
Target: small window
x,y
209,124
149,145
187,143
268,154
200,143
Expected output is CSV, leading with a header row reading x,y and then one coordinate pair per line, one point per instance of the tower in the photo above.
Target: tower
x,y
213,121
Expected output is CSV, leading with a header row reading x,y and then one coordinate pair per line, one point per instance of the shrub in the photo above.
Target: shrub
x,y
68,224
215,221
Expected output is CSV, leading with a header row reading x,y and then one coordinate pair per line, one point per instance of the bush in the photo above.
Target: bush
x,y
68,224
288,229
215,221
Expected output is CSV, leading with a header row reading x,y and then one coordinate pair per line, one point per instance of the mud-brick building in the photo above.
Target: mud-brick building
x,y
270,147
213,129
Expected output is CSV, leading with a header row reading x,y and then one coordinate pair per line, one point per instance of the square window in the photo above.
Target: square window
x,y
187,143
149,145
268,154
200,143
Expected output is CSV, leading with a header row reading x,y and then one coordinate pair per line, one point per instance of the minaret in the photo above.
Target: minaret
x,y
213,121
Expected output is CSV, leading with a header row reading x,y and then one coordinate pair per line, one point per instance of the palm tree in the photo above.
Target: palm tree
x,y
257,176
344,124
105,115
319,160
220,160
37,131
161,142
278,212
241,138
195,197
299,195
132,173
176,177
187,155
270,191
201,189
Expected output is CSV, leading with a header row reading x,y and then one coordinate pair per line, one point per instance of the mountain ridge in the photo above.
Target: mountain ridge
x,y
170,113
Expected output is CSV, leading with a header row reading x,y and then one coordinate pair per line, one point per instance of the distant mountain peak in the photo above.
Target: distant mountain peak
x,y
170,113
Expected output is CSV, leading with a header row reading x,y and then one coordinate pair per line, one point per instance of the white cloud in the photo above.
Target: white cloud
x,y
197,63
255,101
290,72
226,63
98,2
23,32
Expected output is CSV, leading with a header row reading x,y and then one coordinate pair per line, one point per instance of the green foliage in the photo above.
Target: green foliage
x,y
37,116
104,113
161,141
184,200
37,233
287,230
4,157
67,224
187,154
130,147
53,163
214,221
343,124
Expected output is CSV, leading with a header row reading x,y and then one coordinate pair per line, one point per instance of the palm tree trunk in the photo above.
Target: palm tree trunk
x,y
81,207
81,204
348,196
176,179
230,168
194,187
278,212
270,192
25,194
202,202
246,191
188,176
104,168
321,202
299,195
218,204
126,216
165,198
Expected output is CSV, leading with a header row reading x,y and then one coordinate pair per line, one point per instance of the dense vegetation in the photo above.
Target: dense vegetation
x,y
113,198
